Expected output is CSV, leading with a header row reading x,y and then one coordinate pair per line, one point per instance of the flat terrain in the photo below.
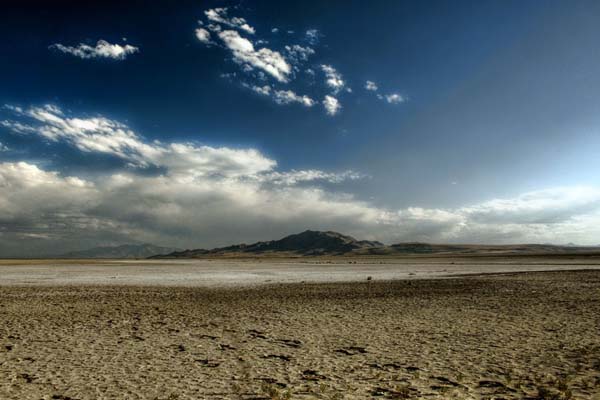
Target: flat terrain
x,y
257,271
509,336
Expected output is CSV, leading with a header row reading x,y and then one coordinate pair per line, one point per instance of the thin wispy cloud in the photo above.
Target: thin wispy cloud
x,y
102,49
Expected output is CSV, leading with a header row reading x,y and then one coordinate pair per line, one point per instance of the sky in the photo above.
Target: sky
x,y
198,124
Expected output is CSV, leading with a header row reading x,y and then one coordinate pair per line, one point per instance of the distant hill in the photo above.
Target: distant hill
x,y
317,243
123,251
307,243
416,248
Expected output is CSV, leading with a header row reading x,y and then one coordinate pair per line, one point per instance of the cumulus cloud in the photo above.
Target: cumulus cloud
x,y
219,16
47,209
333,78
293,177
299,53
312,36
288,96
201,212
264,90
393,98
203,35
267,60
332,105
372,86
281,97
103,49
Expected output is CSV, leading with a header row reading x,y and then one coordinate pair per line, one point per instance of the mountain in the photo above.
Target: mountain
x,y
307,243
123,251
317,243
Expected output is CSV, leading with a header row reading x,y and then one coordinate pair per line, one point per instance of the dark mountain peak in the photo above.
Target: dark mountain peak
x,y
304,243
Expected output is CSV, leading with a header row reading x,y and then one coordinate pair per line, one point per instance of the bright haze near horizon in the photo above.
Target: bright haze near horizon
x,y
205,123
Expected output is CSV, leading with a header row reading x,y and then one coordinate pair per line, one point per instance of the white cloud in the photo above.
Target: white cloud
x,y
265,90
203,35
333,78
102,49
219,15
190,213
214,210
393,98
288,96
271,62
3,147
537,207
332,105
372,86
312,36
16,126
31,198
293,177
105,136
281,96
284,66
299,53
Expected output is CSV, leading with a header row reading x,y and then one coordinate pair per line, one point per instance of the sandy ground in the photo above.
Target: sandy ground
x,y
512,336
211,273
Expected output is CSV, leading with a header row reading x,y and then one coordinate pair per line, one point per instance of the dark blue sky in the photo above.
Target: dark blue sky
x,y
500,97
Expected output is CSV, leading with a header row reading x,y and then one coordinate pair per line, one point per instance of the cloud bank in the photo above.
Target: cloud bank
x,y
191,195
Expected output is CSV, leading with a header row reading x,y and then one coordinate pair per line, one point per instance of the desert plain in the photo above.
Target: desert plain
x,y
330,328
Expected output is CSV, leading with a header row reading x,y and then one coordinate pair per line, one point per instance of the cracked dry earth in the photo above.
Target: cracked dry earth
x,y
520,336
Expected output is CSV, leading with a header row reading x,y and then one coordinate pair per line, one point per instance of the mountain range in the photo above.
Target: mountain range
x,y
318,243
123,251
